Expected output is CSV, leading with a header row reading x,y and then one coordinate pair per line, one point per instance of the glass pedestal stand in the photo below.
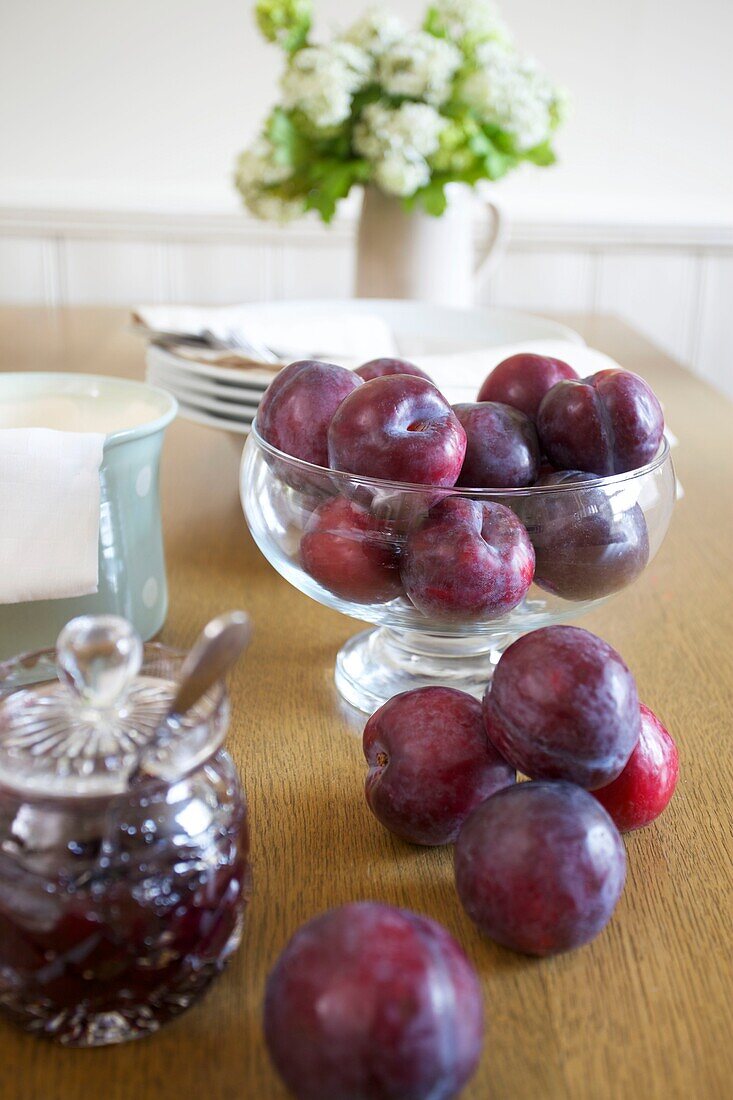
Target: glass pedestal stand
x,y
379,663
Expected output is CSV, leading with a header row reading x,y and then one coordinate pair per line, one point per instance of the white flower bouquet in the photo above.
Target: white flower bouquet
x,y
407,111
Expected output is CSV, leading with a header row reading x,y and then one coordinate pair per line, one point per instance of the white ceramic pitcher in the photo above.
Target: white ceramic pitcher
x,y
412,254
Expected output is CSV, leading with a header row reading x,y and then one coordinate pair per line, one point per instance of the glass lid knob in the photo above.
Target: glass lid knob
x,y
98,658
84,722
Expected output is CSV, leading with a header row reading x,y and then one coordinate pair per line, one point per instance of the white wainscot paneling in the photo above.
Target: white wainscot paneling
x,y
713,356
315,269
537,279
655,291
23,269
113,272
219,273
672,281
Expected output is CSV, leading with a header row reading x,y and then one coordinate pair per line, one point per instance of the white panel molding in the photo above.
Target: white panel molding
x,y
670,279
538,232
655,290
714,353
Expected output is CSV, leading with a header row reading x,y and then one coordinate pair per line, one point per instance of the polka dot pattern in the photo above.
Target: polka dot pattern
x,y
150,592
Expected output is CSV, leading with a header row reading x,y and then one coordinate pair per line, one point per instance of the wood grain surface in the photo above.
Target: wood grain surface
x,y
644,1011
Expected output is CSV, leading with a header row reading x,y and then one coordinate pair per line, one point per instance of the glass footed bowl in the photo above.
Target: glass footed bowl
x,y
341,538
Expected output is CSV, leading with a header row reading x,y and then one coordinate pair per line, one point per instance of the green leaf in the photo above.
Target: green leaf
x,y
285,22
330,181
480,144
541,154
370,94
431,198
286,141
501,140
497,164
434,24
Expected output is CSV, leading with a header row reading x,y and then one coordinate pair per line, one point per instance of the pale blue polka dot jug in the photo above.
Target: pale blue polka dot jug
x,y
132,580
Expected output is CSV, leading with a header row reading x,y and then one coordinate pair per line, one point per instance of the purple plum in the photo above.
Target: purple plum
x,y
430,763
369,1002
540,867
563,705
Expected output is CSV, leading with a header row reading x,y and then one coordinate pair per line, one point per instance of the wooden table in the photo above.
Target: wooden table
x,y
644,1011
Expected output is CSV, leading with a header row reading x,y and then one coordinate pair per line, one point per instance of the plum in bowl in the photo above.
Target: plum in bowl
x,y
449,576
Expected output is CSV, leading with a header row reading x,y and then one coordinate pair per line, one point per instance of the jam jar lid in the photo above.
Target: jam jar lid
x,y
81,722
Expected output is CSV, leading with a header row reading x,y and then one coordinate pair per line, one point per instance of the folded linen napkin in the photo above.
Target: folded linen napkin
x,y
345,336
49,513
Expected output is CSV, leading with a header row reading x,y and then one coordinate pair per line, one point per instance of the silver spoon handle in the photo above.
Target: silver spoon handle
x,y
216,649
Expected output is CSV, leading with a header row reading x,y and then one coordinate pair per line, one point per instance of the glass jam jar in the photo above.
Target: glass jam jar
x,y
123,858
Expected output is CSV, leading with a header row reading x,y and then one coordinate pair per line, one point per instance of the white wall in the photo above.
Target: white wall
x,y
120,121
145,102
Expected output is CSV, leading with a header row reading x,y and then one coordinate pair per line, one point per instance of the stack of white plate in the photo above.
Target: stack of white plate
x,y
456,347
221,397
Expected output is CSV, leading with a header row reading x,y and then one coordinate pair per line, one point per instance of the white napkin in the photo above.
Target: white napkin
x,y
341,336
49,513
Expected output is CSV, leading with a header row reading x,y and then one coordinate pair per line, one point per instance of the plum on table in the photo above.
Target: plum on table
x,y
430,763
540,867
646,785
563,705
370,1002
